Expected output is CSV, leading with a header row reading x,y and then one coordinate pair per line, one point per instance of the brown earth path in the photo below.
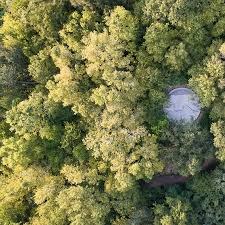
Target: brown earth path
x,y
166,180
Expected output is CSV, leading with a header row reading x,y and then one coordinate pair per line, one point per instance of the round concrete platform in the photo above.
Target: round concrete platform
x,y
183,105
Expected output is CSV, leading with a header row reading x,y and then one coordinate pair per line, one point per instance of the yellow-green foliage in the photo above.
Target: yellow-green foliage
x,y
83,84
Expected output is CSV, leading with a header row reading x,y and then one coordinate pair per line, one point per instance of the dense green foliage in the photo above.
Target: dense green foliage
x,y
82,89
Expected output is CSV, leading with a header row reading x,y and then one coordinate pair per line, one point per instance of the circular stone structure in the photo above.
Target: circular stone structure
x,y
183,105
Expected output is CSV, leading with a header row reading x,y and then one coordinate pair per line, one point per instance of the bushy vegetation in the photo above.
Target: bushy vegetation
x,y
82,89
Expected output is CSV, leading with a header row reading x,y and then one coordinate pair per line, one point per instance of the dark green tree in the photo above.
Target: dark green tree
x,y
185,148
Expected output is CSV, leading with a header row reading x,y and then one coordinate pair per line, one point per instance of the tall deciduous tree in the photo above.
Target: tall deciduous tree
x,y
32,24
14,79
185,148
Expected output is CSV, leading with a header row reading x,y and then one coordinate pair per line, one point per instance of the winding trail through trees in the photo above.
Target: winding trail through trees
x,y
167,180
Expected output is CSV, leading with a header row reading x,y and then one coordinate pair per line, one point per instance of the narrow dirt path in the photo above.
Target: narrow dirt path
x,y
166,180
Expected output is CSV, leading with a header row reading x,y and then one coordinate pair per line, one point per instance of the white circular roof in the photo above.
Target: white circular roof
x,y
183,105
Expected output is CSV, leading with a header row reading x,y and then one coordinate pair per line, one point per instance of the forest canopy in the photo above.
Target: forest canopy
x,y
83,85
